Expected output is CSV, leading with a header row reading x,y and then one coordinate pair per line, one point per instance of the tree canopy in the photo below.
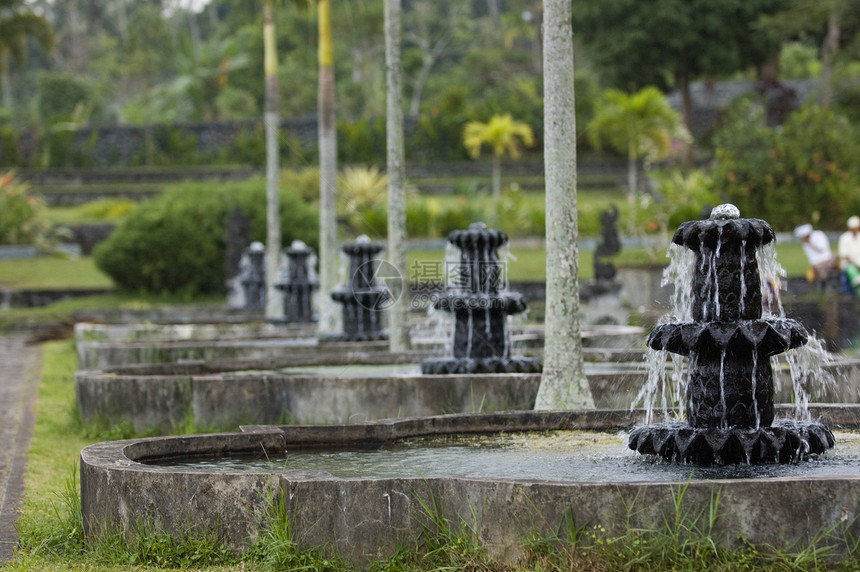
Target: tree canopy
x,y
668,43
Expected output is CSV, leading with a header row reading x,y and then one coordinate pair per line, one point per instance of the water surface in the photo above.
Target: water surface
x,y
569,456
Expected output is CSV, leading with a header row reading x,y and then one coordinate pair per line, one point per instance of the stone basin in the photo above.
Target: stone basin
x,y
101,346
367,517
161,399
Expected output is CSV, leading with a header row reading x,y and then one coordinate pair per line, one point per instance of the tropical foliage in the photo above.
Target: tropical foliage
x,y
504,136
802,171
641,125
23,216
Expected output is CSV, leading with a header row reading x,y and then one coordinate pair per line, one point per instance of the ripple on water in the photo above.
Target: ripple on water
x,y
569,456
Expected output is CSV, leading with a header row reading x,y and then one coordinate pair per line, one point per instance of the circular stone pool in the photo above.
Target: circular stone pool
x,y
364,511
567,456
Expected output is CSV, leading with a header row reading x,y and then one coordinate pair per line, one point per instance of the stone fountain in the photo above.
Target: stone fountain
x,y
481,308
298,282
252,277
363,300
729,402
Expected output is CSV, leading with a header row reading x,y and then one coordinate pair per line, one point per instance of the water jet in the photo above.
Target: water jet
x,y
729,402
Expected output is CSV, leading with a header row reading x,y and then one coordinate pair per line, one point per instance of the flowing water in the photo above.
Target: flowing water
x,y
667,380
568,456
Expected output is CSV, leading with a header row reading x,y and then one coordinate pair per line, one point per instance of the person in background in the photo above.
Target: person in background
x,y
849,256
816,246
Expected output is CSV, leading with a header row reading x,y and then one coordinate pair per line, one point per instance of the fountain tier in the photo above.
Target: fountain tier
x,y
729,402
480,308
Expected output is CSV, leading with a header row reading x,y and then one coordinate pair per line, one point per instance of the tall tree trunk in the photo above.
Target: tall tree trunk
x,y
497,186
327,127
563,384
686,110
829,49
5,79
194,30
271,119
419,83
495,20
398,284
122,19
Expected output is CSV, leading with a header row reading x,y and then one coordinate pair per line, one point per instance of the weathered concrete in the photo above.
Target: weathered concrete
x,y
103,346
149,332
98,355
165,403
222,400
366,518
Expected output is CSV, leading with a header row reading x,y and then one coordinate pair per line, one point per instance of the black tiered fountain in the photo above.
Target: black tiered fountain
x,y
297,282
252,276
480,308
363,300
730,395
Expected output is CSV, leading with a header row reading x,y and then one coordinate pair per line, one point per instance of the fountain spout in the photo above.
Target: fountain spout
x,y
729,403
363,300
481,307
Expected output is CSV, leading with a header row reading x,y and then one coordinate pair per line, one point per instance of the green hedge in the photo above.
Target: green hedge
x,y
175,243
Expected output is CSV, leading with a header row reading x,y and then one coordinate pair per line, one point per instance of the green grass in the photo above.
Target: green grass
x,y
94,212
50,526
525,264
52,272
63,312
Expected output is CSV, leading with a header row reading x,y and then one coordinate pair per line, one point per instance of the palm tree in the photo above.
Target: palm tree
x,y
641,125
271,120
16,25
563,384
504,136
398,315
327,129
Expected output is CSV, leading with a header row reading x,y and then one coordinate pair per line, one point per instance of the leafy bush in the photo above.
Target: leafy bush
x,y
249,148
361,141
459,217
59,94
11,153
175,242
23,216
362,195
804,171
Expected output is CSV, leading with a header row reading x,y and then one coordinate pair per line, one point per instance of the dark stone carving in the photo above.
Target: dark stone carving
x,y
609,245
298,282
252,276
729,402
480,308
363,300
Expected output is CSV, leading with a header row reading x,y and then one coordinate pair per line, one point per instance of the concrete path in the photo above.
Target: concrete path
x,y
19,377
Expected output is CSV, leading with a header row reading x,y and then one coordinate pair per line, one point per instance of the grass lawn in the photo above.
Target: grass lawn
x,y
49,527
52,272
523,265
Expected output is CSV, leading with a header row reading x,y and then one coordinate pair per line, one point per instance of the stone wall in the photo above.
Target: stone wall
x,y
123,145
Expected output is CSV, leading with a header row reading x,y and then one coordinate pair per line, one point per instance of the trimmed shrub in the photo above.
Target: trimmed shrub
x,y
175,243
